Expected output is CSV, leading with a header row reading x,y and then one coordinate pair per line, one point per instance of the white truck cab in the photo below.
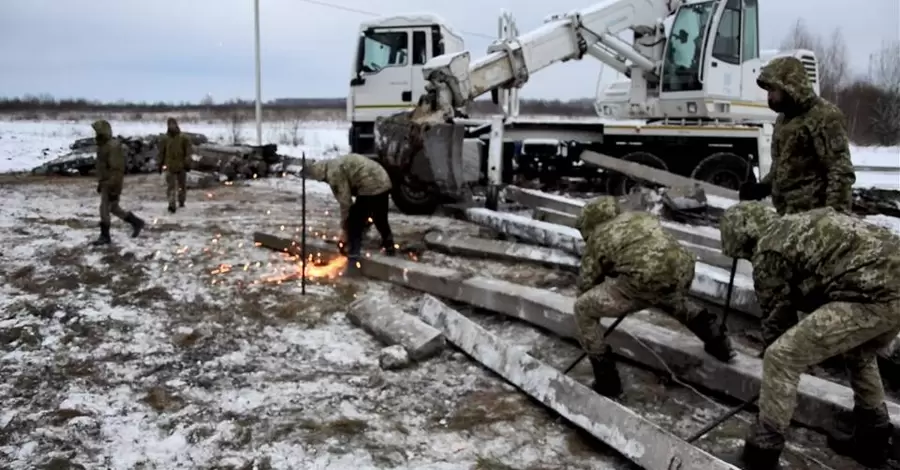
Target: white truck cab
x,y
386,75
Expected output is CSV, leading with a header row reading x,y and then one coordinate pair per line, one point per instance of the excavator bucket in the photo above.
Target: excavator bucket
x,y
428,152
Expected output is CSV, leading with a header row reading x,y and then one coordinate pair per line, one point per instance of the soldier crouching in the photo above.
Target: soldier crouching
x,y
631,263
362,188
111,176
846,273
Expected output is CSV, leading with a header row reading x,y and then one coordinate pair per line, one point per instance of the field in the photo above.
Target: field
x,y
189,347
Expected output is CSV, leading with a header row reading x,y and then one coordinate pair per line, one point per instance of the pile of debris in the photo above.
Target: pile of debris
x,y
222,162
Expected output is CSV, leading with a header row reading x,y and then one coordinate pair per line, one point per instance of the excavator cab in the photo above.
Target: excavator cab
x,y
711,62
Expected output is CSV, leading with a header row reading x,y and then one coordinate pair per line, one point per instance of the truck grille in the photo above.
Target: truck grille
x,y
812,69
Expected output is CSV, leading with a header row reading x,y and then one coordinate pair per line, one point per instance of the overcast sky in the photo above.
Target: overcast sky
x,y
182,50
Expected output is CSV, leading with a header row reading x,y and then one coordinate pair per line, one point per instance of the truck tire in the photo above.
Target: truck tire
x,y
413,198
618,184
723,169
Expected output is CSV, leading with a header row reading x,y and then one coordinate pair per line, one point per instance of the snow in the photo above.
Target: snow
x,y
25,144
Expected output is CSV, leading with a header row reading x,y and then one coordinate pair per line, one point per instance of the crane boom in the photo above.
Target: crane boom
x,y
570,36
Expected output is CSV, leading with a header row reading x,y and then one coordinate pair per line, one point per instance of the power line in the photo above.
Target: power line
x,y
369,13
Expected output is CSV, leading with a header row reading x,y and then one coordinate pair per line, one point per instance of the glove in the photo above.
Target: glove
x,y
751,191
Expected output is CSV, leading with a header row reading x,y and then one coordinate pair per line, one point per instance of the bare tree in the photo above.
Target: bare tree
x,y
884,72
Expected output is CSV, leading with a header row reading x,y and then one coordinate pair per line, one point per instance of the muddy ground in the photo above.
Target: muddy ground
x,y
189,347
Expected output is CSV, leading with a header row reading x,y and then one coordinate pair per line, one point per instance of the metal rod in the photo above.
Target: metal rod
x,y
605,335
734,265
258,74
303,255
721,419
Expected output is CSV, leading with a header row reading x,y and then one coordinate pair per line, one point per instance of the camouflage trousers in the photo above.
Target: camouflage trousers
x,y
855,330
615,297
176,182
109,203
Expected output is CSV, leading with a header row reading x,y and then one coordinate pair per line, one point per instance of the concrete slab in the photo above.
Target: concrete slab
x,y
384,320
639,440
820,402
534,199
505,250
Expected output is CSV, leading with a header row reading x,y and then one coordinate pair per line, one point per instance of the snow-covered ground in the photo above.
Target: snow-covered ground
x,y
190,348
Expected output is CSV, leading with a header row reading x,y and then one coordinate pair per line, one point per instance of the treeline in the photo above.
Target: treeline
x,y
47,103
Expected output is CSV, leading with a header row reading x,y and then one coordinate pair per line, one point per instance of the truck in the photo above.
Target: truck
x,y
689,105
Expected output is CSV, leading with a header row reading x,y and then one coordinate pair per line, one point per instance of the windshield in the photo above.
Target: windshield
x,y
380,49
681,71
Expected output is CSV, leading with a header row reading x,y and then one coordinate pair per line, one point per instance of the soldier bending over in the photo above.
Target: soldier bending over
x,y
111,175
846,272
357,177
631,263
175,157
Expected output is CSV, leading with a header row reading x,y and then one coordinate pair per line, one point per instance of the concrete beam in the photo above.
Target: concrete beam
x,y
639,440
710,282
534,199
820,402
292,246
384,320
505,250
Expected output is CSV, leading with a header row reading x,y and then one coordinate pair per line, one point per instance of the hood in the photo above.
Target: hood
x,y
102,129
172,126
742,225
317,170
788,74
599,211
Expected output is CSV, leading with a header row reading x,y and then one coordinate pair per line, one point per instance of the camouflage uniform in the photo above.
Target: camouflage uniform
x,y
811,164
362,187
111,175
631,263
175,152
846,272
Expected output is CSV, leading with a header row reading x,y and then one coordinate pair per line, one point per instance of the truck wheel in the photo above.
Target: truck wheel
x,y
723,169
618,184
414,198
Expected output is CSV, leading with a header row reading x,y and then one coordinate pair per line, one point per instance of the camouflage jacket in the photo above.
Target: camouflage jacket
x,y
110,158
632,246
349,176
803,261
175,151
811,164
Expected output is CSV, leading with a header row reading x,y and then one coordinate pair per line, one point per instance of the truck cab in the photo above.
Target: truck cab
x,y
386,74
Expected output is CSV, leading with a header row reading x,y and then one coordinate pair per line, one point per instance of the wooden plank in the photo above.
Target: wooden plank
x,y
639,440
383,319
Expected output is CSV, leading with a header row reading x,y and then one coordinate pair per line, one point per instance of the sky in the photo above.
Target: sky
x,y
184,50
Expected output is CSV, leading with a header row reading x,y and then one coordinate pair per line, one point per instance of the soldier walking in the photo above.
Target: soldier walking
x,y
845,273
362,188
631,263
811,164
111,175
175,151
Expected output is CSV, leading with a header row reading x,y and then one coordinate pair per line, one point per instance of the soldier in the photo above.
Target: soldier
x,y
355,176
631,263
111,173
846,273
811,164
175,157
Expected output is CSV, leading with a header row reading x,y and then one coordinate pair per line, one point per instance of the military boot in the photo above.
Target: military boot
x,y
870,441
606,376
715,341
763,447
171,208
104,238
353,267
136,224
389,248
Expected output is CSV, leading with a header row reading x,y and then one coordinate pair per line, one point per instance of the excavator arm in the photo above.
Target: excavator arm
x,y
456,80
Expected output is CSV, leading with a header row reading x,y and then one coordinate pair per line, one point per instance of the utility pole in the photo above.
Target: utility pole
x,y
258,75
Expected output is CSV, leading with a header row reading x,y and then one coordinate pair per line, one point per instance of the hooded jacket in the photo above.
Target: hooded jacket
x,y
349,176
633,247
175,149
110,163
811,164
803,261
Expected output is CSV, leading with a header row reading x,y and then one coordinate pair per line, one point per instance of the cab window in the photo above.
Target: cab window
x,y
727,46
384,49
420,48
